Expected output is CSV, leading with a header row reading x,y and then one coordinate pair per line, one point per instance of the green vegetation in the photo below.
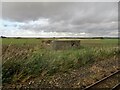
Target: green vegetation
x,y
21,41
88,42
25,58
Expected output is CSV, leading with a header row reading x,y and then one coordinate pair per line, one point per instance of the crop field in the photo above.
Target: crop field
x,y
32,63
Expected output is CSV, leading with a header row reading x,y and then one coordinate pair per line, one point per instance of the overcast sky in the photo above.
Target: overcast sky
x,y
82,19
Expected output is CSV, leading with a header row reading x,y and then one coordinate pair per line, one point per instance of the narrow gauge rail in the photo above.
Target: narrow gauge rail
x,y
115,76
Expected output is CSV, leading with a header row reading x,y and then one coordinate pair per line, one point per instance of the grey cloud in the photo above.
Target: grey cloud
x,y
94,18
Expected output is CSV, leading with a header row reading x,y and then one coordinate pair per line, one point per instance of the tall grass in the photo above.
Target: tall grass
x,y
32,63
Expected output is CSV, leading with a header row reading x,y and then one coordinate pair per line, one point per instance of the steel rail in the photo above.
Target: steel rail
x,y
102,80
116,87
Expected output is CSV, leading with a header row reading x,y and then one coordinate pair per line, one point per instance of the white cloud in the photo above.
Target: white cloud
x,y
42,22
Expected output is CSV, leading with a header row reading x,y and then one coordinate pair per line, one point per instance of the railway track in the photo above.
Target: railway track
x,y
111,82
116,87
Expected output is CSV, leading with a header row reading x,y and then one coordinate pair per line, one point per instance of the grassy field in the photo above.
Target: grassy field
x,y
32,41
23,59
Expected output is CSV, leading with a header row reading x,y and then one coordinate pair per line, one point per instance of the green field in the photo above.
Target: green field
x,y
88,42
28,58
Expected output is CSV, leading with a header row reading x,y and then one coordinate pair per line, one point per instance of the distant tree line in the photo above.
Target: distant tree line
x,y
66,37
